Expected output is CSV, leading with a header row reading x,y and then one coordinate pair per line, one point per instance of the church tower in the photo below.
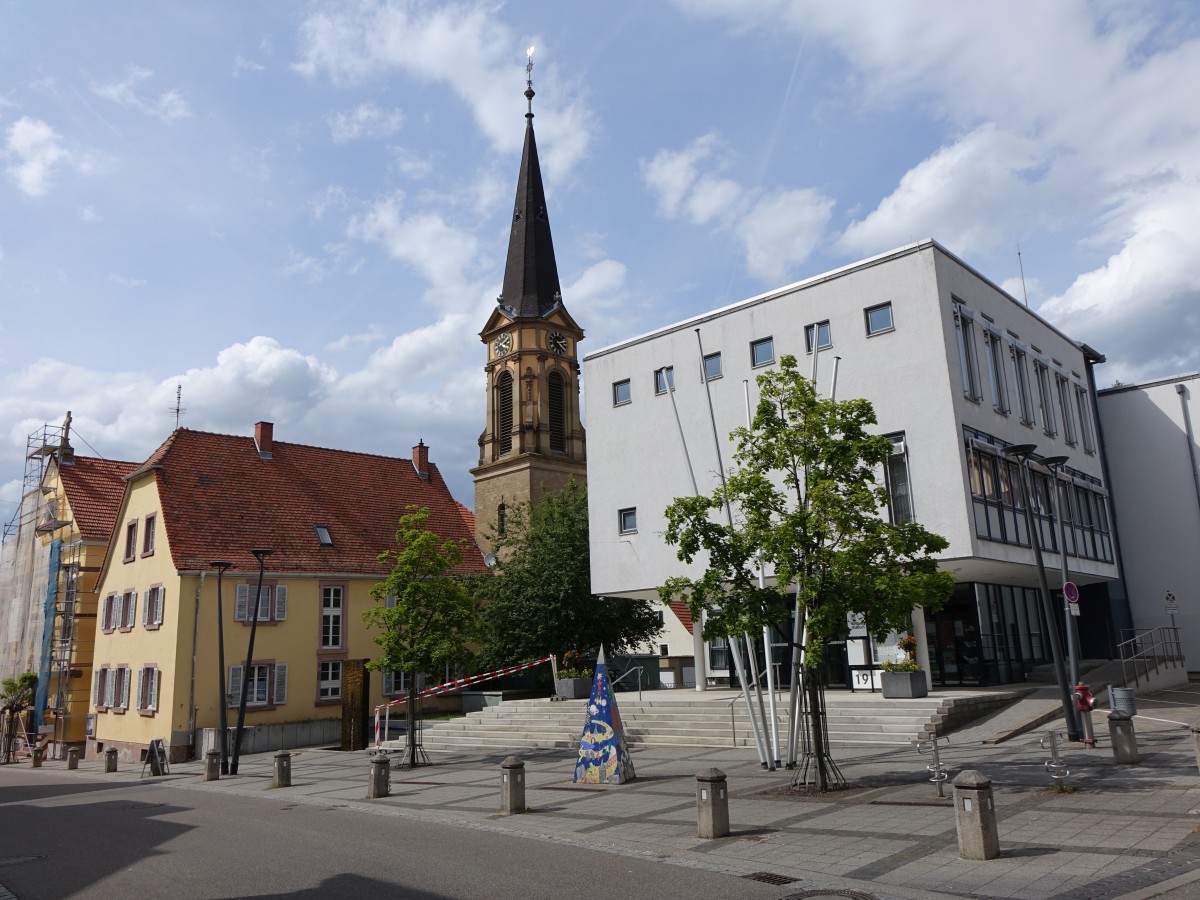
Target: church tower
x,y
533,441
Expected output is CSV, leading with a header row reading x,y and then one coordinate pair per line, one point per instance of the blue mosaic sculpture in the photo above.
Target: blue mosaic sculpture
x,y
603,755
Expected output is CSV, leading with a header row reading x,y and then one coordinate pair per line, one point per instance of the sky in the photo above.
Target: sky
x,y
298,212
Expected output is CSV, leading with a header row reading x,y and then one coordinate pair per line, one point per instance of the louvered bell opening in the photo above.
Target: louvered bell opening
x,y
504,408
558,413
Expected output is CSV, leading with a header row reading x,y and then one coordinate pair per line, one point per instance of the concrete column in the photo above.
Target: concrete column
x,y
72,757
712,804
282,770
110,759
1124,741
379,784
512,786
36,757
975,816
212,765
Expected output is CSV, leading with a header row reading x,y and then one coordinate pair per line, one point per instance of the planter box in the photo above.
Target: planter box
x,y
573,688
903,685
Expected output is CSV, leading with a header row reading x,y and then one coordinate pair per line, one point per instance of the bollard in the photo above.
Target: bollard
x,y
35,758
712,804
212,765
110,759
283,770
1124,741
1196,742
512,786
380,781
72,757
975,816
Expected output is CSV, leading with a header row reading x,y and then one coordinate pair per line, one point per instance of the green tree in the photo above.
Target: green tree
x,y
16,695
540,600
805,503
424,612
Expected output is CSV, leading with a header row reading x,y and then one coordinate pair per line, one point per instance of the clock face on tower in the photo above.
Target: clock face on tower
x,y
503,344
558,342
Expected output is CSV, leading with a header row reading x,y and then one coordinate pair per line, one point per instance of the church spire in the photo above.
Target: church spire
x,y
531,286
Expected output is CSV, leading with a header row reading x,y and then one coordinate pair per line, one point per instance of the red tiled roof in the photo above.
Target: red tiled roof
x,y
220,499
682,613
468,517
94,488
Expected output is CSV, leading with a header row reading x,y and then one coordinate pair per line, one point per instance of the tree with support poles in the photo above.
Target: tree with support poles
x,y
425,614
805,502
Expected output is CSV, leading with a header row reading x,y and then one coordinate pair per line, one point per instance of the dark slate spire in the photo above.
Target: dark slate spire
x,y
531,286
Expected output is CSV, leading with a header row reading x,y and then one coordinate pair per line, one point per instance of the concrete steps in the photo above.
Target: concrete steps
x,y
853,720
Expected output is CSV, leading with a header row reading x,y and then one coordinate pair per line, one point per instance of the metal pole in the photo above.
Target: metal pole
x,y
261,555
222,694
1055,464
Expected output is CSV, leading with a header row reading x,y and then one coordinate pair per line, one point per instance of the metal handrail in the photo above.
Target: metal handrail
x,y
1147,650
627,673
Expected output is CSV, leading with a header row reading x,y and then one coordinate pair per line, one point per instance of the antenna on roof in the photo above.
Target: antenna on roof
x,y
177,409
1022,265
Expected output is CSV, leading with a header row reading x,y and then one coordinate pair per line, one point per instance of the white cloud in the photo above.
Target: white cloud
x,y
672,174
333,197
373,335
37,150
168,106
242,64
122,281
88,214
364,121
782,230
411,164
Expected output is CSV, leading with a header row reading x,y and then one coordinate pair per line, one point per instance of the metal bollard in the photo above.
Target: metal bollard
x,y
282,770
512,786
936,770
72,757
212,765
110,759
1054,765
379,784
712,804
1124,741
975,816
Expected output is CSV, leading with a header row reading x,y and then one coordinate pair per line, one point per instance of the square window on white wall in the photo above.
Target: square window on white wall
x,y
762,352
627,520
622,392
879,318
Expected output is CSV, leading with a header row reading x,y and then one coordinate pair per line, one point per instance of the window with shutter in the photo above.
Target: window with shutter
x,y
110,688
146,609
160,601
280,683
155,675
389,600
235,685
129,612
141,691
558,412
125,688
280,602
264,603
98,689
241,604
504,411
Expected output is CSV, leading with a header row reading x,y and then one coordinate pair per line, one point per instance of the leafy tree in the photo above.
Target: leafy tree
x,y
540,600
806,505
16,695
425,614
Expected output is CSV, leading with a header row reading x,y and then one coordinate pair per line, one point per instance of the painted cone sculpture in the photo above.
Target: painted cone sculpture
x,y
603,756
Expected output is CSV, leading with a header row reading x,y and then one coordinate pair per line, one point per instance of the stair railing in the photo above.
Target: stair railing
x,y
626,674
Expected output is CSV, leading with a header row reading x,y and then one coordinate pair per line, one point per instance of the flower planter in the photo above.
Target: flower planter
x,y
573,688
903,685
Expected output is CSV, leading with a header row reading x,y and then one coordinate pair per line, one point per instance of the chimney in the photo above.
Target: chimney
x,y
264,439
420,460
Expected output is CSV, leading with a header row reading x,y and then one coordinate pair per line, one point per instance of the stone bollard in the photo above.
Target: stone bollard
x,y
379,783
283,770
512,786
72,757
36,757
975,816
212,765
1124,741
712,804
110,759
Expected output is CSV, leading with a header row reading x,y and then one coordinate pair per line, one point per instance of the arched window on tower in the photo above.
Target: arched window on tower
x,y
558,412
504,411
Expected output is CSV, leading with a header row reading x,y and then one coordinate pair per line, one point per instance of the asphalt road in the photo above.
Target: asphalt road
x,y
63,836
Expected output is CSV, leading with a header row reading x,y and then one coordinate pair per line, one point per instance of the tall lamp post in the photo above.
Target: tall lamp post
x,y
1021,453
223,695
1056,464
261,555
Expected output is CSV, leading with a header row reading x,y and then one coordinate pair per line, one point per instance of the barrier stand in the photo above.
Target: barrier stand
x,y
936,770
1124,741
72,757
282,776
512,786
975,816
712,804
379,783
1054,765
110,759
212,765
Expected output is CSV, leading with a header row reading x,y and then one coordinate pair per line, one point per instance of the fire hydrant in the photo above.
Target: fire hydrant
x,y
1084,703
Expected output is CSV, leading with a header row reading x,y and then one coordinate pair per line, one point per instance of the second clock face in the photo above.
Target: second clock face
x,y
558,342
503,344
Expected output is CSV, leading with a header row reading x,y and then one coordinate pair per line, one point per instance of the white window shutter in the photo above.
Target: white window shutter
x,y
280,683
155,675
162,602
280,602
242,604
132,620
264,604
389,683
98,687
146,608
108,612
235,685
141,691
125,691
110,688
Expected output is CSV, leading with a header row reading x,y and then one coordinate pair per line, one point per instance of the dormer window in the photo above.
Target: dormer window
x,y
323,536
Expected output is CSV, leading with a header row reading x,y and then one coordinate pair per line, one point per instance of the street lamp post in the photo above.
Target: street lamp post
x,y
223,695
261,555
1056,464
1021,453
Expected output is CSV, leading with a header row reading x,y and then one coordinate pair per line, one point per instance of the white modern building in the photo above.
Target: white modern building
x,y
957,370
1151,451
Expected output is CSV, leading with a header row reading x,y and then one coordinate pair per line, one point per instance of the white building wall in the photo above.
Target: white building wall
x,y
1151,459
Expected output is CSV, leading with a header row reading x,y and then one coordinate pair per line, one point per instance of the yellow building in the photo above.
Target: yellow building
x,y
203,498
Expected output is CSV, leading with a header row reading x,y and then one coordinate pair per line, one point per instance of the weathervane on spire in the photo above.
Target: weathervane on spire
x,y
529,82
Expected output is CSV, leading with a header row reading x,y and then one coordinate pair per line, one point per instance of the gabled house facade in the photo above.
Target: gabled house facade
x,y
202,498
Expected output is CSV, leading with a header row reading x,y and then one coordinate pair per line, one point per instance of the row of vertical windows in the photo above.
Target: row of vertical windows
x,y
118,612
131,537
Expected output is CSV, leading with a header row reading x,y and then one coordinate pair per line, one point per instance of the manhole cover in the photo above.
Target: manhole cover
x,y
770,878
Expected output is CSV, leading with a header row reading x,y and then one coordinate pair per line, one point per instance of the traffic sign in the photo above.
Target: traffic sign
x,y
1071,592
1172,603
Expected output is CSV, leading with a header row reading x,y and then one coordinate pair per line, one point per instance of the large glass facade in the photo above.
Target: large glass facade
x,y
986,634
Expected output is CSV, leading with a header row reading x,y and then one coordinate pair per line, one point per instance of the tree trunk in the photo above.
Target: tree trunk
x,y
410,718
813,687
